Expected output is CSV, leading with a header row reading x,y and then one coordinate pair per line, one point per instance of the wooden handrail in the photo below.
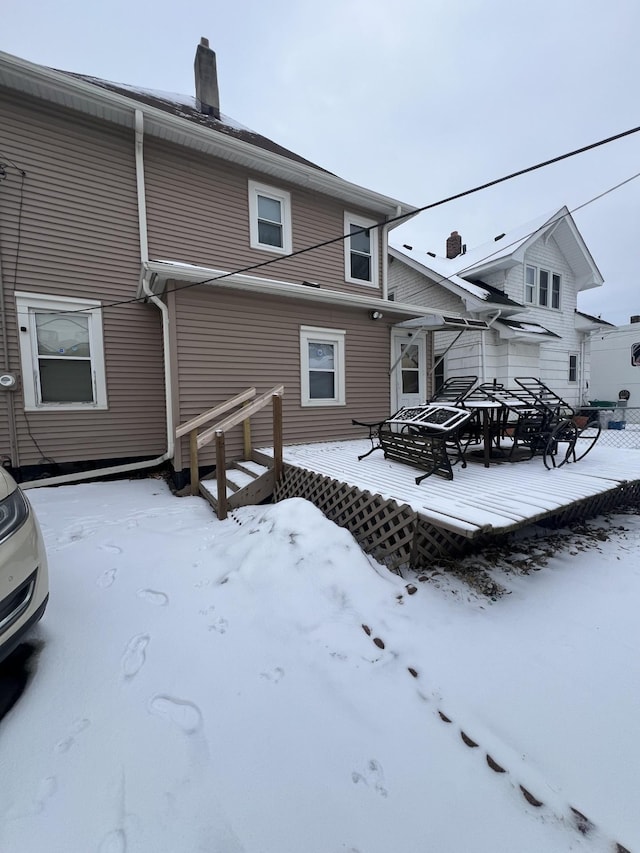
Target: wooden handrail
x,y
218,430
205,417
237,418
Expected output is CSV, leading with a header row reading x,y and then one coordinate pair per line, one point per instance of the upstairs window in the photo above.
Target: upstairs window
x,y
269,218
322,366
360,250
542,287
62,353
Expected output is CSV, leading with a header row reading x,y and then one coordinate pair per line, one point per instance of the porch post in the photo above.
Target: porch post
x,y
277,437
221,477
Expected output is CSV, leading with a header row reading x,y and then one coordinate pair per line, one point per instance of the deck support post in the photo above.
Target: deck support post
x,y
277,438
246,436
221,476
193,461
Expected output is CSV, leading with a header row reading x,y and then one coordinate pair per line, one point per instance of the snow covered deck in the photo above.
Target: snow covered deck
x,y
478,502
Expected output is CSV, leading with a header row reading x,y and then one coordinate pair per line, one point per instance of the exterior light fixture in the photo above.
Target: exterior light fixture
x,y
376,315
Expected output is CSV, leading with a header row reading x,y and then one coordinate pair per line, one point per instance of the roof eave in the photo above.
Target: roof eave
x,y
70,92
163,271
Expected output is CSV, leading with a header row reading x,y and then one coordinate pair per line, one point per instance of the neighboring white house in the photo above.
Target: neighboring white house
x,y
615,363
525,284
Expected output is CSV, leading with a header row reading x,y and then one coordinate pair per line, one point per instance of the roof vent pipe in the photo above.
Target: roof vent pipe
x,y
206,74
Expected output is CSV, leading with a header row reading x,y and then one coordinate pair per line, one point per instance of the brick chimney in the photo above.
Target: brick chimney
x,y
206,74
454,245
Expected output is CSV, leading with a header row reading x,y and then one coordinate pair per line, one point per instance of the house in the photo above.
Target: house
x,y
154,264
525,285
615,364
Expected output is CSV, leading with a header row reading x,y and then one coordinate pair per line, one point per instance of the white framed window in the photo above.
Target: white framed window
x,y
573,367
269,218
62,353
322,366
360,250
542,287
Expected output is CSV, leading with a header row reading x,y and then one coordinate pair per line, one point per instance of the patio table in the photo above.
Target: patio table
x,y
492,409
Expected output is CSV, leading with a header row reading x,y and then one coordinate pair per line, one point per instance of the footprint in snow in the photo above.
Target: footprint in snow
x,y
76,728
114,842
153,597
373,776
182,713
111,549
135,655
107,578
275,675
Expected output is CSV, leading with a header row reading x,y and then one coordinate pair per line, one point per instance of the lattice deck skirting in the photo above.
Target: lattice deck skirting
x,y
396,535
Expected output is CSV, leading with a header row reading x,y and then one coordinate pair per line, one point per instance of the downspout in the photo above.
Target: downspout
x,y
11,410
164,310
483,353
385,255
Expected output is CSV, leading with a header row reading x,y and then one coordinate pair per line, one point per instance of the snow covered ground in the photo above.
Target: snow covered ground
x,y
265,687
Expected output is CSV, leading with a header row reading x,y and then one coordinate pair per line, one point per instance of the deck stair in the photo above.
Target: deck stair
x,y
247,483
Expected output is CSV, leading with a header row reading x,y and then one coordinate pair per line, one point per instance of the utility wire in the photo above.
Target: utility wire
x,y
401,217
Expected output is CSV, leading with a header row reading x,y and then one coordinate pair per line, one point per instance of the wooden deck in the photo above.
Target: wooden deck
x,y
379,501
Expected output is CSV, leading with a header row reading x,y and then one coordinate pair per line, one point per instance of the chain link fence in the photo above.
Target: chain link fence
x,y
620,424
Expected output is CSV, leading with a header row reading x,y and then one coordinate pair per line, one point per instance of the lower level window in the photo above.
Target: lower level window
x,y
322,366
573,368
61,349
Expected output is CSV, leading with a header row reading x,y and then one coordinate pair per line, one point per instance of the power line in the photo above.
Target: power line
x,y
401,217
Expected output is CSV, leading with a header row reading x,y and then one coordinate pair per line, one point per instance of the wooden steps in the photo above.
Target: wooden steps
x,y
248,483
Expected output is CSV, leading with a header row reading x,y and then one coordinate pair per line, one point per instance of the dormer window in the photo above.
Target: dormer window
x,y
269,218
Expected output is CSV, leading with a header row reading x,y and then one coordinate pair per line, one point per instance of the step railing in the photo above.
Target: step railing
x,y
198,440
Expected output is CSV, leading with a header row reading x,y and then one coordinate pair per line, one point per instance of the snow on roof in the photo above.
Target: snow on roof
x,y
507,244
530,328
441,270
186,107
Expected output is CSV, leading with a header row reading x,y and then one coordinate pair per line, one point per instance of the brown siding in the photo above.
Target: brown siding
x,y
198,212
79,238
229,341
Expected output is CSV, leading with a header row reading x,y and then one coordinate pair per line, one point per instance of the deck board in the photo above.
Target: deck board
x,y
478,499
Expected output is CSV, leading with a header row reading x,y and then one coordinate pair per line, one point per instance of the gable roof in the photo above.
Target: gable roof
x,y
476,295
509,249
185,106
166,119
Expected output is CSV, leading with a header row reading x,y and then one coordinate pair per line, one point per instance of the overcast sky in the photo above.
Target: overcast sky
x,y
417,99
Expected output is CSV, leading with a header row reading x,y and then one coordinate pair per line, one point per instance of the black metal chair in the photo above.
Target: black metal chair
x,y
454,389
426,437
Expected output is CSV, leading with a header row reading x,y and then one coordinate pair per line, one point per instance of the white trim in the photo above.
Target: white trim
x,y
166,270
26,303
536,287
361,222
335,337
577,368
284,199
402,338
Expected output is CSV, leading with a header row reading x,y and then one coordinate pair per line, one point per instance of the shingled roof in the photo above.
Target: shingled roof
x,y
186,107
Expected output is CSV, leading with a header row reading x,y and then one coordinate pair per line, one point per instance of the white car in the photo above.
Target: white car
x,y
24,581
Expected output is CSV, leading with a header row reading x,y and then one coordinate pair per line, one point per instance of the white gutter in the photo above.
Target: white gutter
x,y
165,270
146,275
483,353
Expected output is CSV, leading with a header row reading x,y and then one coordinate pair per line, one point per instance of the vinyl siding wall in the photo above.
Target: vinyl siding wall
x,y
198,212
228,341
78,237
